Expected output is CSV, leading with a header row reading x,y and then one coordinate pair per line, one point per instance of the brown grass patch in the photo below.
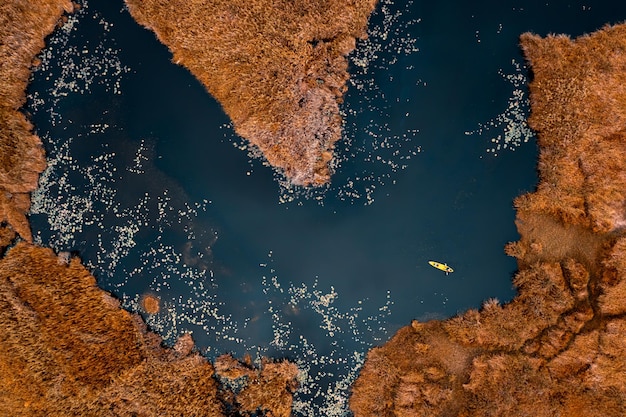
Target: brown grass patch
x,y
67,349
547,239
579,111
269,388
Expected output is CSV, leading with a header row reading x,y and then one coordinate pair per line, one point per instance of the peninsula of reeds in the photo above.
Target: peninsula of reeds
x,y
559,348
278,68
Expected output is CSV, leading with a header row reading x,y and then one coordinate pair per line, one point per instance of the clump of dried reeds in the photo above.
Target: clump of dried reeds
x,y
268,389
579,111
67,349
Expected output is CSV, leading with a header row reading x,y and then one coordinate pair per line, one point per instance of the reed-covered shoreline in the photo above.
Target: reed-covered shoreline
x,y
22,31
557,348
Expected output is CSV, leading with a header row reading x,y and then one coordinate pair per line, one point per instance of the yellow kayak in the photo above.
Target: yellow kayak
x,y
445,268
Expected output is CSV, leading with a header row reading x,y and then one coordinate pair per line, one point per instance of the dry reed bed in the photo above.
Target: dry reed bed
x,y
278,68
558,347
67,348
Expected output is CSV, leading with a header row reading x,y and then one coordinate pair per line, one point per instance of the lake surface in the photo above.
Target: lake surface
x,y
149,185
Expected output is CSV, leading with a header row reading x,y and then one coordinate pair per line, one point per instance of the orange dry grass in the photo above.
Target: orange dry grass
x,y
547,239
523,358
278,68
558,347
66,348
23,26
613,284
269,389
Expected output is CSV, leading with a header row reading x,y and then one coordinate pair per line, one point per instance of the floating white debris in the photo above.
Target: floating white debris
x,y
510,127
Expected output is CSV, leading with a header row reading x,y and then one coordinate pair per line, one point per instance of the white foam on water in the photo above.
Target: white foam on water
x,y
76,69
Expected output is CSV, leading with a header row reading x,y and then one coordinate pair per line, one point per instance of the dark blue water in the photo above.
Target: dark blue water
x,y
148,184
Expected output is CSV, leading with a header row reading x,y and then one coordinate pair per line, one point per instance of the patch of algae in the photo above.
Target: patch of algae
x,y
558,347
